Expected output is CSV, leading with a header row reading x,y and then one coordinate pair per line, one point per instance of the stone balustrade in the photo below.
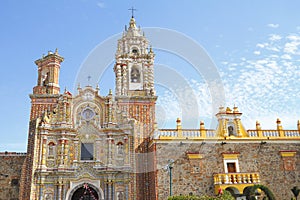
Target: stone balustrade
x,y
273,133
270,133
211,134
291,133
236,178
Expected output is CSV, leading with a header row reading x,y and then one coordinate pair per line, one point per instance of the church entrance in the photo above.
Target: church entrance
x,y
86,192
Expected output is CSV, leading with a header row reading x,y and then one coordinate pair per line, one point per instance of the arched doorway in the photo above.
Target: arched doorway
x,y
85,192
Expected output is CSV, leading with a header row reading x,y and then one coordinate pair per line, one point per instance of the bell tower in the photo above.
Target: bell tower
x,y
135,96
44,99
48,74
134,64
134,71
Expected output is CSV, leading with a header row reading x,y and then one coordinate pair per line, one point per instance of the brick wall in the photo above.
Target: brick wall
x,y
10,172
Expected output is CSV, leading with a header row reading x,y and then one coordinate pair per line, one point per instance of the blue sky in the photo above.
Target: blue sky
x,y
255,46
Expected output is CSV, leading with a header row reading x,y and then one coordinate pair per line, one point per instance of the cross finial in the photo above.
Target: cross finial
x,y
89,78
132,11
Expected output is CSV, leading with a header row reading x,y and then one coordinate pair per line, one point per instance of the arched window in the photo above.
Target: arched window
x,y
45,78
51,149
230,130
135,51
135,75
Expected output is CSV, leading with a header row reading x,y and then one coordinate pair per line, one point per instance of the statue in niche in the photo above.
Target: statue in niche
x,y
45,79
120,196
120,148
48,197
135,75
230,130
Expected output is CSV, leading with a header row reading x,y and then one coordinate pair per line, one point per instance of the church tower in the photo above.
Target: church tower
x,y
44,98
48,74
135,96
134,72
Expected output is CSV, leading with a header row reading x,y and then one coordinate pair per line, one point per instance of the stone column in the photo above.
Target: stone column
x,y
109,149
145,78
66,152
97,152
64,117
225,131
151,77
44,150
118,79
75,153
61,156
109,189
112,191
41,189
126,191
126,150
124,83
60,184
109,110
238,128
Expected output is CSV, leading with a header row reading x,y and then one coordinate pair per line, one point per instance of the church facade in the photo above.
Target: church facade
x,y
107,147
86,146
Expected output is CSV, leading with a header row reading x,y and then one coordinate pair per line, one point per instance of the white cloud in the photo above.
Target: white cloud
x,y
293,37
256,52
291,47
267,88
273,48
286,56
264,88
274,37
260,45
273,25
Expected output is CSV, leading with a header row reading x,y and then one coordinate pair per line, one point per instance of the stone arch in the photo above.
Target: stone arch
x,y
234,191
135,50
250,192
99,192
51,150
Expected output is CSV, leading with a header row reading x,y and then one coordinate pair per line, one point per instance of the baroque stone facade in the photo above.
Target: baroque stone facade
x,y
87,145
94,146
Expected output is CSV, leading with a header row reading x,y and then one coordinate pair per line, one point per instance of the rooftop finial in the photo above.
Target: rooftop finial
x,y
89,78
132,11
151,50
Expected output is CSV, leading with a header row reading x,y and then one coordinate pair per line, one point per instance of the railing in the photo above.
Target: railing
x,y
291,133
167,133
210,133
270,133
191,133
253,133
188,133
12,153
273,133
236,178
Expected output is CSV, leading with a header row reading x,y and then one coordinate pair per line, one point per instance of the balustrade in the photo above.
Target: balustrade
x,y
236,178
